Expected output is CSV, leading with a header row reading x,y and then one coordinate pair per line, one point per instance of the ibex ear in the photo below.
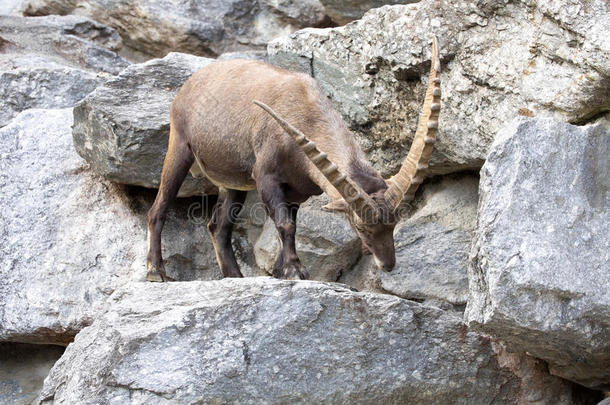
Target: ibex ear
x,y
339,205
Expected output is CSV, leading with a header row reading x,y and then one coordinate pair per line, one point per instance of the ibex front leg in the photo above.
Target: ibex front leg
x,y
284,215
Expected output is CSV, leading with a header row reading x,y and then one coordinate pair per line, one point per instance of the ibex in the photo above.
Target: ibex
x,y
248,125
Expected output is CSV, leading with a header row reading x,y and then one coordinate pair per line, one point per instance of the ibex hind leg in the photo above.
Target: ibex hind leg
x,y
224,216
178,160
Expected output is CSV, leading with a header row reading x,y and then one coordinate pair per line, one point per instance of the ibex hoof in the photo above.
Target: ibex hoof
x,y
295,271
157,275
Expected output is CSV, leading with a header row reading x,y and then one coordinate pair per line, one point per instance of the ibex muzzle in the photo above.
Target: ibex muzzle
x,y
216,126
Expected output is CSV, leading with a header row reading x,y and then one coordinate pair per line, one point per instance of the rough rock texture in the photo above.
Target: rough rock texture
x,y
344,11
208,28
69,238
53,62
268,341
256,55
540,266
500,59
23,369
325,242
122,128
432,246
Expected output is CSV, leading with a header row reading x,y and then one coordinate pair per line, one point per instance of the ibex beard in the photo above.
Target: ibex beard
x,y
248,125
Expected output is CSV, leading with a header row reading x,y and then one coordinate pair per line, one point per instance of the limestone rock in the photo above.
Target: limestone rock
x,y
432,246
272,341
208,28
540,267
122,128
325,242
344,11
499,60
53,62
69,238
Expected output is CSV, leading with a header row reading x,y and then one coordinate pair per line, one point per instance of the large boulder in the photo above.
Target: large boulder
x,y
53,62
69,238
344,11
202,28
261,340
432,246
325,242
540,267
122,128
499,60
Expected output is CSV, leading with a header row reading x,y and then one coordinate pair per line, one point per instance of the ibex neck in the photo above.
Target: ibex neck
x,y
365,175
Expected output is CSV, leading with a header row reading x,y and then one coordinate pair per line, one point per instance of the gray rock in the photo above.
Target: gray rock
x,y
499,60
208,28
53,62
74,41
23,369
262,340
255,55
364,276
122,128
344,11
325,243
69,238
11,7
432,246
34,82
540,268
303,13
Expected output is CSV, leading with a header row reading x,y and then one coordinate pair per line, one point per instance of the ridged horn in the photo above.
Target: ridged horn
x,y
404,184
359,201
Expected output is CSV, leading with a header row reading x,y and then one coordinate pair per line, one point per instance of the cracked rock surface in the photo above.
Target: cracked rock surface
x,y
540,262
272,341
53,62
500,60
122,128
206,28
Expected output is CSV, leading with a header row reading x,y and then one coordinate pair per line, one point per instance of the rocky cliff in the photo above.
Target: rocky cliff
x,y
501,288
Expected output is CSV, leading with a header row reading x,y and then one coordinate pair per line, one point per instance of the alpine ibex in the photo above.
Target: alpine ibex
x,y
230,121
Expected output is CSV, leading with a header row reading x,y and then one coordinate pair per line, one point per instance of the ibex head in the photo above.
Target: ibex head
x,y
374,216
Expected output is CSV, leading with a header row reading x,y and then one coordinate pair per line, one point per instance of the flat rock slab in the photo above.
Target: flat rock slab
x,y
500,60
122,128
263,340
540,265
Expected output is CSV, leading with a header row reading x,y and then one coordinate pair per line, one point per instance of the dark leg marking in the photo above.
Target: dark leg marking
x,y
224,216
284,216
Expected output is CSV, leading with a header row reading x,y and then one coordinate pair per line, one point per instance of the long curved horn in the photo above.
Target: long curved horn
x,y
403,185
359,201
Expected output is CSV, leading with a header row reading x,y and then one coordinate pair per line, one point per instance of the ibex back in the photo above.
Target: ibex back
x,y
248,125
